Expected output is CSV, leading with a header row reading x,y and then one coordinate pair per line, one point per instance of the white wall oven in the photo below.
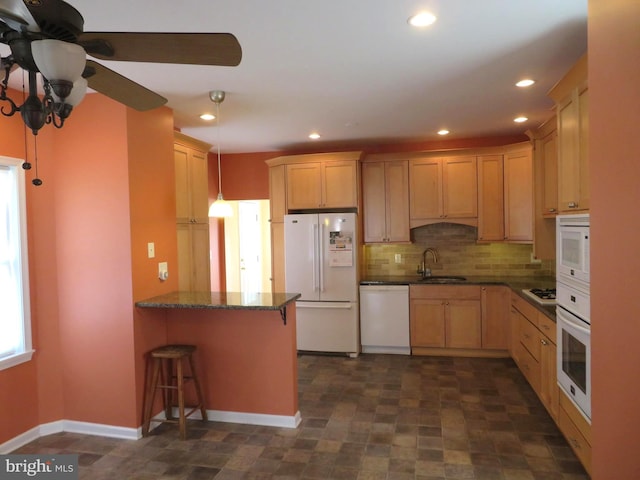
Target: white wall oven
x,y
573,309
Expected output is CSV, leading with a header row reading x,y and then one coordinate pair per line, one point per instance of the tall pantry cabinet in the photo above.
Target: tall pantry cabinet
x,y
192,206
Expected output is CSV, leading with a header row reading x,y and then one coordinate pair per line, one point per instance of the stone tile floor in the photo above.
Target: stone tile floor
x,y
377,417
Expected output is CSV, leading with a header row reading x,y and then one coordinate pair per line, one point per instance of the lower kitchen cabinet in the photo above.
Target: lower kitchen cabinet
x,y
495,317
576,429
533,338
444,317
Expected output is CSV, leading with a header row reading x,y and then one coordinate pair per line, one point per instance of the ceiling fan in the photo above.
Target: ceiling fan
x,y
25,21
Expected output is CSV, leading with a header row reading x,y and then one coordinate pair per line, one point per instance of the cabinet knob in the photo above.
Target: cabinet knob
x,y
552,210
544,342
573,205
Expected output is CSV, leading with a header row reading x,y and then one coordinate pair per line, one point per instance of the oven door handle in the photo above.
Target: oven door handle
x,y
567,317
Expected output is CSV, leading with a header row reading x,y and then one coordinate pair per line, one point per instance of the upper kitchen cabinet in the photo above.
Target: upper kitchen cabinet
x,y
545,168
571,96
385,196
518,194
505,195
443,189
328,180
192,213
192,183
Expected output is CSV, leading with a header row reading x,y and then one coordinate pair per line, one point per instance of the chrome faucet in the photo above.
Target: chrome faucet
x,y
426,272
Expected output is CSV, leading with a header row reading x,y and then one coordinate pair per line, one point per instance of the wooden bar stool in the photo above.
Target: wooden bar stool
x,y
168,375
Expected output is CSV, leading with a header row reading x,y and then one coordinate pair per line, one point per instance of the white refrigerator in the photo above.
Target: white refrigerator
x,y
321,263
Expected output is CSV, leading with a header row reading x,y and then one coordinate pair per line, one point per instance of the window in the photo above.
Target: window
x,y
15,315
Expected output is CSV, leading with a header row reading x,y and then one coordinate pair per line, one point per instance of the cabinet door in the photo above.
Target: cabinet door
x,y
427,323
277,191
339,185
183,202
425,191
463,324
373,186
495,317
193,257
460,187
549,393
583,159
568,154
277,257
304,188
514,333
549,145
397,201
199,186
490,198
518,196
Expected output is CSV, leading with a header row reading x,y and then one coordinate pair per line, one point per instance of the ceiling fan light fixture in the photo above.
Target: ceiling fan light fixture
x,y
61,63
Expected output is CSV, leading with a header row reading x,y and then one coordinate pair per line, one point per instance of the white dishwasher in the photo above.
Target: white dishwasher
x,y
384,319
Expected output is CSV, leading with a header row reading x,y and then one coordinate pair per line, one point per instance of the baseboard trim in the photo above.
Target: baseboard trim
x,y
127,433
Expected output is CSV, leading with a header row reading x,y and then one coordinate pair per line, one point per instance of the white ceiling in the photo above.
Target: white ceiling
x,y
354,70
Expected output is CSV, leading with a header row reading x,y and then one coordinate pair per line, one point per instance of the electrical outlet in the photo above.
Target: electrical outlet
x,y
151,250
398,258
163,271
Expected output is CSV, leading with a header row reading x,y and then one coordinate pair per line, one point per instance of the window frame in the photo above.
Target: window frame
x,y
26,352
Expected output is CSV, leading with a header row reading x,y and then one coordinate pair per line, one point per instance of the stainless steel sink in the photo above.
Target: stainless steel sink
x,y
443,279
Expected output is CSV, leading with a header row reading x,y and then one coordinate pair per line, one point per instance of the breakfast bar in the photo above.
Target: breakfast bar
x,y
246,351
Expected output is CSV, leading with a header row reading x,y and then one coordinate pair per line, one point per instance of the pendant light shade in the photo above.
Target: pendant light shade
x,y
220,208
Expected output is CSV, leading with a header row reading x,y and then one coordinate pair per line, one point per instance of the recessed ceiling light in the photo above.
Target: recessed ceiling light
x,y
520,119
207,116
444,131
314,136
526,82
422,19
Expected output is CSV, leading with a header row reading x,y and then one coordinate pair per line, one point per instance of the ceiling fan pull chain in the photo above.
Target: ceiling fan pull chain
x,y
36,181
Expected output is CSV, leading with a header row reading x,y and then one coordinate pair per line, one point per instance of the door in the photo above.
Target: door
x,y
250,240
301,256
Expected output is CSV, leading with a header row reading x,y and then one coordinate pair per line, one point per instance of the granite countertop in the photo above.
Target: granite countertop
x,y
220,300
516,283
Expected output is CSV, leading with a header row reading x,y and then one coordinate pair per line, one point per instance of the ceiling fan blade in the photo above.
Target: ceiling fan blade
x,y
120,88
17,16
181,48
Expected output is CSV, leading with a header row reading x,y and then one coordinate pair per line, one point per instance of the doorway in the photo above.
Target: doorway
x,y
248,247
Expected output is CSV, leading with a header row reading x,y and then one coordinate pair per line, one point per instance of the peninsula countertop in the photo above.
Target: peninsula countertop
x,y
220,300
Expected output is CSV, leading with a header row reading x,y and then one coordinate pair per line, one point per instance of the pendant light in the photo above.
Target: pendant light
x,y
220,208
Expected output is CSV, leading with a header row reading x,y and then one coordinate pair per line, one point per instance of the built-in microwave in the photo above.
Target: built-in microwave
x,y
572,250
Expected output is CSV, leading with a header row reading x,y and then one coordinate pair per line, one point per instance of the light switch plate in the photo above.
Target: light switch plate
x,y
151,250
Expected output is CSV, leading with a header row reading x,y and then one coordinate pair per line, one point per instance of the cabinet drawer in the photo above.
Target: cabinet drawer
x,y
529,367
530,337
576,440
547,327
458,292
525,308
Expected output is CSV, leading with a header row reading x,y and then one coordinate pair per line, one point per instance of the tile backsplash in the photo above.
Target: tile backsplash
x,y
459,254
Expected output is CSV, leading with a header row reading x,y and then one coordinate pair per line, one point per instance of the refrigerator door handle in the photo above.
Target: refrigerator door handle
x,y
321,264
315,257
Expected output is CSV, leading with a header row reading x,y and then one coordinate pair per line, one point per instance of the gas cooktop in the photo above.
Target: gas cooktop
x,y
544,296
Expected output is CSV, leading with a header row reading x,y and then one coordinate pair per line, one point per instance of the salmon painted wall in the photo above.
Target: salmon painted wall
x,y
153,210
614,158
19,384
94,264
